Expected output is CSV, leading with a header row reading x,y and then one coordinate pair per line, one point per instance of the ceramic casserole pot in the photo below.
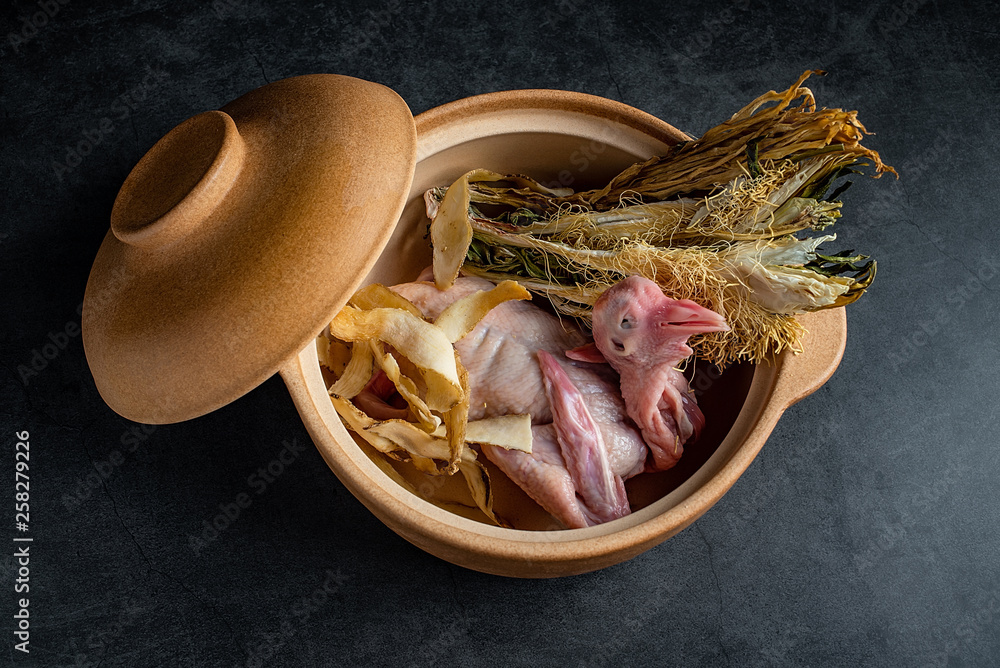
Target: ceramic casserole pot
x,y
243,231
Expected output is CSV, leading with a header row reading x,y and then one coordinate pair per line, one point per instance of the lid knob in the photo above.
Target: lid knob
x,y
181,180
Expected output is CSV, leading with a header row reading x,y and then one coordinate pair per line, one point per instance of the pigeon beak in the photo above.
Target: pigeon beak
x,y
686,317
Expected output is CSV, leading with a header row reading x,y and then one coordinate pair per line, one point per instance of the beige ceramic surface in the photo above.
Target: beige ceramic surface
x,y
582,141
238,237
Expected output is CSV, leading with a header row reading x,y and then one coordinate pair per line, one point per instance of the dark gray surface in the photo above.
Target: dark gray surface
x,y
866,532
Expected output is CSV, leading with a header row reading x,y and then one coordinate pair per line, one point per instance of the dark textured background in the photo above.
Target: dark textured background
x,y
866,532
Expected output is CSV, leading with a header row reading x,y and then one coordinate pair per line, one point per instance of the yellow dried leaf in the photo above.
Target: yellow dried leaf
x,y
463,315
451,232
334,355
419,341
406,388
377,295
457,418
357,373
436,444
512,432
394,436
478,480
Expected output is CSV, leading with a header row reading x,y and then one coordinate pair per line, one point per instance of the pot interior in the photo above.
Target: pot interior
x,y
555,159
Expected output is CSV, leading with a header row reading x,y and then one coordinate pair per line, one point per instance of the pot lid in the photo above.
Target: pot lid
x,y
238,237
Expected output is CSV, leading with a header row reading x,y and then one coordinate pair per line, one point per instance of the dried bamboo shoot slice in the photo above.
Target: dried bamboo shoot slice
x,y
357,373
392,436
419,341
377,295
464,314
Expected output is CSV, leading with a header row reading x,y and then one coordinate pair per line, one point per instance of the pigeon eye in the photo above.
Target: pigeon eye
x,y
627,323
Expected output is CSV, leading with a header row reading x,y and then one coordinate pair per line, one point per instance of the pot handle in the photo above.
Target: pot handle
x,y
823,345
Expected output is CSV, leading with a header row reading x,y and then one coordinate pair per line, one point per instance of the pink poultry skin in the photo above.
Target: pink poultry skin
x,y
584,443
643,334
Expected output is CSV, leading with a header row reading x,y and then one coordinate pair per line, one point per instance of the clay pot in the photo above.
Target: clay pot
x,y
375,233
